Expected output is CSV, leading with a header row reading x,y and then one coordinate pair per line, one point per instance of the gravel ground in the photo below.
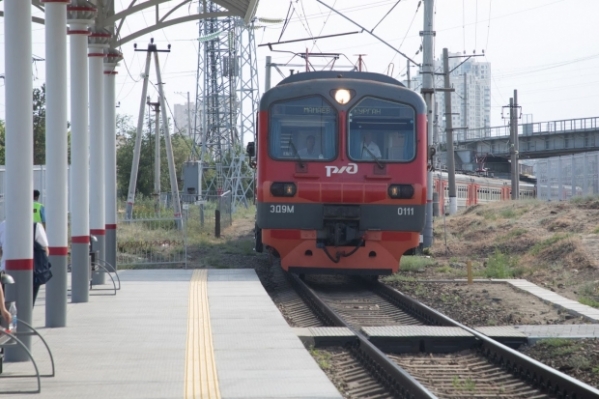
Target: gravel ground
x,y
485,304
578,358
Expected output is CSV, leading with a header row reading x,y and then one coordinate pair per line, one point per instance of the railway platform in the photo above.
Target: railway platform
x,y
174,334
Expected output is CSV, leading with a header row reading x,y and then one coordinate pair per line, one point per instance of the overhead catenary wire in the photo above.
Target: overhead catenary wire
x,y
401,70
306,26
475,26
286,22
323,25
384,16
464,24
488,27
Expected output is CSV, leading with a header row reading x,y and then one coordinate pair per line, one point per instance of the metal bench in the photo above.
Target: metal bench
x,y
96,264
8,339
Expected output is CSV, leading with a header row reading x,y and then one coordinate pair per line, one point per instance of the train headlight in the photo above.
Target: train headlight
x,y
401,191
342,96
282,189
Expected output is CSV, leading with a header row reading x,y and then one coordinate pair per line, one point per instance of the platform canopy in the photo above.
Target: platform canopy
x,y
164,17
243,8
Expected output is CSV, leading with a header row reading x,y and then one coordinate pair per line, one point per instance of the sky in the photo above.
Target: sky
x,y
545,49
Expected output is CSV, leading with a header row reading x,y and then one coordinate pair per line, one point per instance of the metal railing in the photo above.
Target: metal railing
x,y
527,129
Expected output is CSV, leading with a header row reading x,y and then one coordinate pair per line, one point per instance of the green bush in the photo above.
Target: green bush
x,y
500,265
538,247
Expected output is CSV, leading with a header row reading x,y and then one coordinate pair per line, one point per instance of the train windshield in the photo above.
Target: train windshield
x,y
380,130
303,128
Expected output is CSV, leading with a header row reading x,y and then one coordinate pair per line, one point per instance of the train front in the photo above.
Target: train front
x,y
341,183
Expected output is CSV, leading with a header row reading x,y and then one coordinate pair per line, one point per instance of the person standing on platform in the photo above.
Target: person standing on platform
x,y
3,311
39,211
40,237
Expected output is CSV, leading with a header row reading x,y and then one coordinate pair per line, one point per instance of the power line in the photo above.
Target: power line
x,y
488,27
550,66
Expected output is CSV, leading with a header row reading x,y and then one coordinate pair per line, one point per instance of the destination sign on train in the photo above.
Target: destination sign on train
x,y
395,111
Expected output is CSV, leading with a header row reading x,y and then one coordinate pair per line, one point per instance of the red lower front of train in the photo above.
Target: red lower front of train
x,y
380,253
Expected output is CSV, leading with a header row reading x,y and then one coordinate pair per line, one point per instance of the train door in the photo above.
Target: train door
x,y
472,198
505,193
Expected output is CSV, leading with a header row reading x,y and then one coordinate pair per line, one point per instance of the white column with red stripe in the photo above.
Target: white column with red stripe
x,y
56,159
80,15
97,42
18,248
110,63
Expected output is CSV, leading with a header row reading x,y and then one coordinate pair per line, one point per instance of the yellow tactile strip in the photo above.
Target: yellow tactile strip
x,y
201,380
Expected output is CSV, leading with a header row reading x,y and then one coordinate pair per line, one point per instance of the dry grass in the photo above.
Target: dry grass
x,y
541,241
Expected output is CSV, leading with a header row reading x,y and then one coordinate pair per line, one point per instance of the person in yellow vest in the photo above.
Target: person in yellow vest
x,y
39,211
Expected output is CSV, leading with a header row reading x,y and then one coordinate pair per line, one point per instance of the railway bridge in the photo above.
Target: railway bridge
x,y
491,145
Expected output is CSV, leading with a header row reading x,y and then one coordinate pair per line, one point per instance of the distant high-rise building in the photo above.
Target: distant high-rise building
x,y
180,115
471,100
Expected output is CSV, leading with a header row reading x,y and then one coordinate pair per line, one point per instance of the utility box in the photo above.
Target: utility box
x,y
192,181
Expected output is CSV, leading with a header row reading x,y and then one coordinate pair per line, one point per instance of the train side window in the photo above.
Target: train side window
x,y
303,128
381,130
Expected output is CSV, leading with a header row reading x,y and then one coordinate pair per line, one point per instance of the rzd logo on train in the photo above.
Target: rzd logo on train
x,y
351,169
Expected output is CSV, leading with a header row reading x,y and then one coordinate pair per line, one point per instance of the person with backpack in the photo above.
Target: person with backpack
x,y
40,243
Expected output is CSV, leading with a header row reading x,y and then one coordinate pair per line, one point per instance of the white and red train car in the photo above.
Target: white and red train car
x,y
473,190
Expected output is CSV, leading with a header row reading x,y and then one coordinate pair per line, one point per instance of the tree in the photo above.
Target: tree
x,y
2,143
39,125
145,175
39,129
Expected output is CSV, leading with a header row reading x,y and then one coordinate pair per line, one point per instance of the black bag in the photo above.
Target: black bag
x,y
41,266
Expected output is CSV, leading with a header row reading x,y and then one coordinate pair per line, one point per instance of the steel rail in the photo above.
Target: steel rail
x,y
392,376
547,379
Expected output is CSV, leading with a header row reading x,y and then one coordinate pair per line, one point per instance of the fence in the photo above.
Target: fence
x,y
567,176
152,239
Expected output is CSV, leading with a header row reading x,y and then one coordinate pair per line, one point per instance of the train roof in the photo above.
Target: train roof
x,y
377,77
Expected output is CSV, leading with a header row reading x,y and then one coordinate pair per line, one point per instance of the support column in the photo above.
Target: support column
x,y
98,41
56,159
453,202
79,18
428,92
110,155
18,248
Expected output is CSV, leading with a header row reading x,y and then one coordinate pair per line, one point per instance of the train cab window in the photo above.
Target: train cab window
x,y
303,128
381,130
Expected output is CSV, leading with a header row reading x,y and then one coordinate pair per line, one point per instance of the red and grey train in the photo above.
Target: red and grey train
x,y
341,172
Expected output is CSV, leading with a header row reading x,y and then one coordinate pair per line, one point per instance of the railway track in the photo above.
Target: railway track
x,y
488,370
465,374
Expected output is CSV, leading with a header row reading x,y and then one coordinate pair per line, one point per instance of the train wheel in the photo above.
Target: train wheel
x,y
258,246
